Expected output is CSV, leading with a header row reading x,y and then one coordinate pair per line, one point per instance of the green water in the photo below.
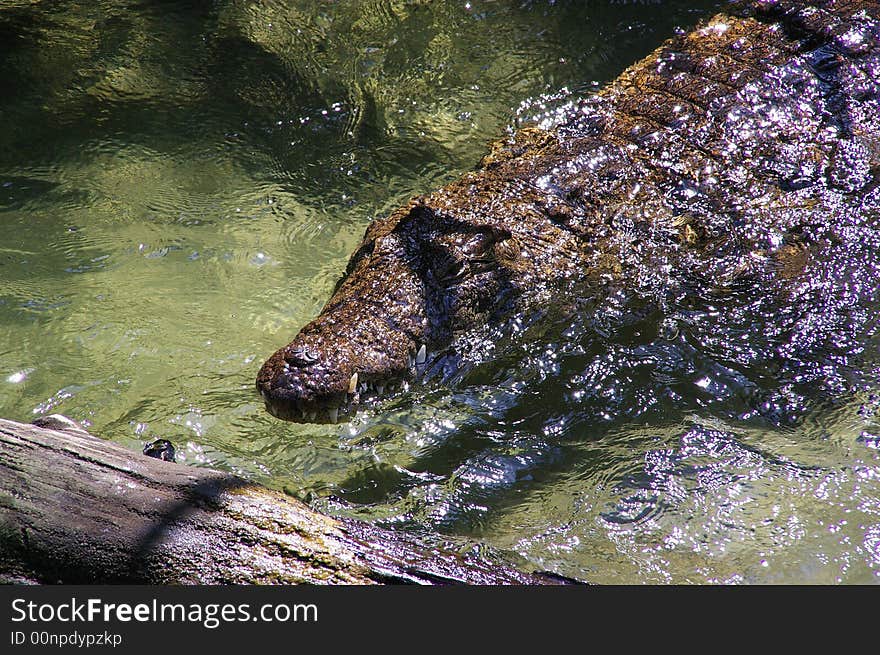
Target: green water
x,y
180,187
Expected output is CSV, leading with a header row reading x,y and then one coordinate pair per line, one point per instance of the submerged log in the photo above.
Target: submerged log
x,y
77,509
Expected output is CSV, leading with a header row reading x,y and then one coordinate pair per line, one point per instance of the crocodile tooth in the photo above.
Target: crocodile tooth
x,y
333,413
412,360
311,415
423,354
380,389
353,383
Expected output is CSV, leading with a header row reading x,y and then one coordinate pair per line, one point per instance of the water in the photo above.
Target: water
x,y
180,188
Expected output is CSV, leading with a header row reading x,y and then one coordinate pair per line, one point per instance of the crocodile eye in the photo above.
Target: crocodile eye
x,y
507,251
458,269
453,270
301,357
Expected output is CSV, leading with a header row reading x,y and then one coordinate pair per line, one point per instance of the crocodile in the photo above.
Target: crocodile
x,y
728,156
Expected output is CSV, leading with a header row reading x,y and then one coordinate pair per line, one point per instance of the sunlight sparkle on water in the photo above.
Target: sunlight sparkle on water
x,y
19,376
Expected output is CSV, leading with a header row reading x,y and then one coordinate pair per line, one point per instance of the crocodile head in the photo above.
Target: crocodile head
x,y
419,277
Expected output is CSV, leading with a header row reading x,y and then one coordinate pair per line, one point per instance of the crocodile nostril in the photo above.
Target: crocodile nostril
x,y
300,357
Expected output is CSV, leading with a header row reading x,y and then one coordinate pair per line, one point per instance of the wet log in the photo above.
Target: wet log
x,y
77,509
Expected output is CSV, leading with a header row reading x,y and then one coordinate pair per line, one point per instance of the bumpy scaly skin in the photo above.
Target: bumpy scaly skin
x,y
733,151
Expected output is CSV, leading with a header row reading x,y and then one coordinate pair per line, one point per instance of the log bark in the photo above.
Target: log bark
x,y
77,509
